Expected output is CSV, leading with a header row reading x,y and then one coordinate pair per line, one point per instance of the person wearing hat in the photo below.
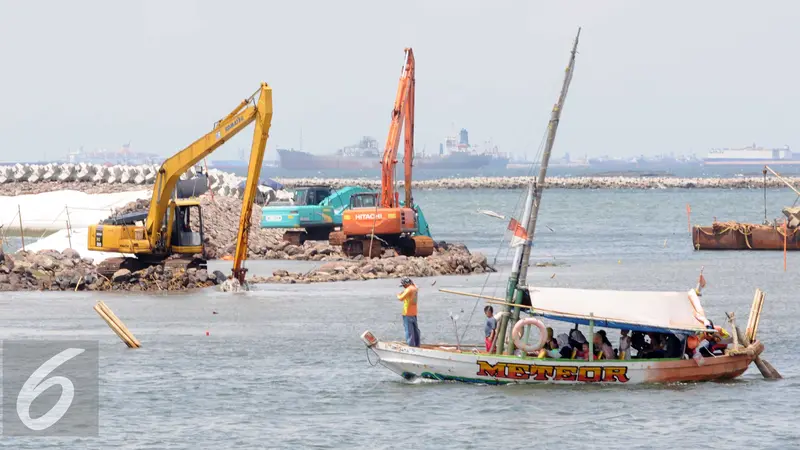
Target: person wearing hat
x,y
409,299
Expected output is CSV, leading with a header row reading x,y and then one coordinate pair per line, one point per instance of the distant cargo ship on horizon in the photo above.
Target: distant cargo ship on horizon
x,y
752,155
366,155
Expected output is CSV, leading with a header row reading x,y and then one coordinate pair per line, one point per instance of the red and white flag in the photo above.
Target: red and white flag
x,y
520,235
702,281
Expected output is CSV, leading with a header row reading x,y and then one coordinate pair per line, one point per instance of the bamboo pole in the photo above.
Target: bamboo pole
x,y
116,319
766,369
591,337
116,325
785,233
688,217
21,232
468,294
69,234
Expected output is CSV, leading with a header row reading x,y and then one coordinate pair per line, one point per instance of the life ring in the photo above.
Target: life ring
x,y
516,333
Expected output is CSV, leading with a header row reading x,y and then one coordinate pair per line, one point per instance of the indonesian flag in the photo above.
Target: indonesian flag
x,y
702,281
520,235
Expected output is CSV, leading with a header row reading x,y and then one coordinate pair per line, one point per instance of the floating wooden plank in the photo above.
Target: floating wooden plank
x,y
755,315
116,325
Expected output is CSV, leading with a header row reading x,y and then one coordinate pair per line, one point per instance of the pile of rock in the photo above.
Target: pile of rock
x,y
447,259
60,271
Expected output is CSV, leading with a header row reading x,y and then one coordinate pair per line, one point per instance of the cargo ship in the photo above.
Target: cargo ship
x,y
455,154
752,155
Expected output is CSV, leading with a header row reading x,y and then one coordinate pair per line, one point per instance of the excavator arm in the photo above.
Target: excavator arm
x,y
260,135
409,131
400,114
169,173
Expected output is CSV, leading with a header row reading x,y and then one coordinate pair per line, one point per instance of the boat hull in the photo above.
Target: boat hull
x,y
299,160
443,362
738,236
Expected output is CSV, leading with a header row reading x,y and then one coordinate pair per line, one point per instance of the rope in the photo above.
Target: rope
x,y
370,360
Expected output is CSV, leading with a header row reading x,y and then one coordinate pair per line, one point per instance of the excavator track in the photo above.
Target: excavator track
x,y
370,248
415,246
295,237
110,266
337,238
423,246
186,263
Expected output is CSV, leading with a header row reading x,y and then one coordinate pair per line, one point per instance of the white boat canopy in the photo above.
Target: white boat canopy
x,y
675,312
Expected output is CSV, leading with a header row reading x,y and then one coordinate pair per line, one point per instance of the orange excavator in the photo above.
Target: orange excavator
x,y
374,221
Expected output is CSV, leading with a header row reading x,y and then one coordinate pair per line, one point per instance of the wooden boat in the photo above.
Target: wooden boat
x,y
678,313
659,312
748,236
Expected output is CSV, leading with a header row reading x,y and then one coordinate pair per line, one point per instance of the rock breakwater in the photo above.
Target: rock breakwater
x,y
583,182
447,259
49,270
34,178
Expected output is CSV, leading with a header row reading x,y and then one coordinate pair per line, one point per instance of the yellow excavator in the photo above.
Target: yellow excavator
x,y
167,236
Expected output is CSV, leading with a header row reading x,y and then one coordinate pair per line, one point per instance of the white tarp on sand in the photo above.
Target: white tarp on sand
x,y
48,210
664,310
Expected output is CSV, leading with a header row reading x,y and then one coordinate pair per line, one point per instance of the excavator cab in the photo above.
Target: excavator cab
x,y
187,238
364,200
311,196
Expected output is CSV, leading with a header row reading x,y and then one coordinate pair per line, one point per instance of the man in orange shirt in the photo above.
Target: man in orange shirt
x,y
409,299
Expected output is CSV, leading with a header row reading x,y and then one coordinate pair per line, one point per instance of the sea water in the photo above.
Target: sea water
x,y
282,366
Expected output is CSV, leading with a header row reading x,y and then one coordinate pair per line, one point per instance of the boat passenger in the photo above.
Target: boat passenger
x,y
550,350
409,299
563,346
624,345
490,329
722,339
638,342
674,346
600,344
655,349
583,352
576,338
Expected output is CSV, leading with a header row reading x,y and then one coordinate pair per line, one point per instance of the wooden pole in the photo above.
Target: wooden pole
x,y
689,217
21,231
468,294
785,233
116,319
116,325
69,234
766,369
591,337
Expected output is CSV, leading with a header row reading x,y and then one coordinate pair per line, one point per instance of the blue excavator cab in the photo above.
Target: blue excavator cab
x,y
312,214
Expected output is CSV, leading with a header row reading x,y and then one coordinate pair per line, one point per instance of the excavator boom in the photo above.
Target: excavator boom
x,y
376,220
168,226
400,114
170,172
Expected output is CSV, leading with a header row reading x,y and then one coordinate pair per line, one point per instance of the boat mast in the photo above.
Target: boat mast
x,y
522,256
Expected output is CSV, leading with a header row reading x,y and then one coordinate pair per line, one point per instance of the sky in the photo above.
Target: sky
x,y
650,78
